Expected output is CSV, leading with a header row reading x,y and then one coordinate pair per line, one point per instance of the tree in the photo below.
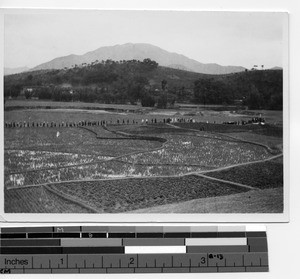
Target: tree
x,y
162,101
163,84
254,99
147,100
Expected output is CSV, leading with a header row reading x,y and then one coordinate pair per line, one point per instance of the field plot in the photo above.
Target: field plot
x,y
206,152
129,194
34,160
38,200
133,166
260,175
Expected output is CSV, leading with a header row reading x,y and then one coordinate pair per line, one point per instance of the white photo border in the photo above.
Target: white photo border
x,y
143,217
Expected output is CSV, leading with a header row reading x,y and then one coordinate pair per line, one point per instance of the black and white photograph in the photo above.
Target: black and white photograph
x,y
145,112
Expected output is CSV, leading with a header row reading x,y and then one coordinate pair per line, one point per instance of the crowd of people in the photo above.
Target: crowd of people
x,y
86,123
254,120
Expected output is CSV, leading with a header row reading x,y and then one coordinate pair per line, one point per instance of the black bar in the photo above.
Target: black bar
x,y
231,234
66,235
204,234
256,234
94,235
40,235
94,250
150,235
30,250
121,235
30,242
178,235
13,235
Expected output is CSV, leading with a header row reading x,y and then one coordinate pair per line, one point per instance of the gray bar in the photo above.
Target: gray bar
x,y
40,229
66,229
203,269
231,228
94,229
13,230
176,270
257,241
153,241
148,270
27,229
257,269
65,270
38,271
120,270
259,248
124,229
204,229
171,229
93,242
232,269
148,229
29,242
214,249
92,270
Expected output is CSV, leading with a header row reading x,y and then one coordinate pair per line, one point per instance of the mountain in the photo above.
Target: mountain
x,y
12,71
139,51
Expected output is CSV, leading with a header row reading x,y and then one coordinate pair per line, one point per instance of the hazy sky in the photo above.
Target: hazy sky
x,y
242,39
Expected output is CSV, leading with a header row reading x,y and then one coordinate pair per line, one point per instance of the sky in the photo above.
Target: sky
x,y
226,38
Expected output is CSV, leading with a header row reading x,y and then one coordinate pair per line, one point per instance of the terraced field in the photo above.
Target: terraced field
x,y
120,168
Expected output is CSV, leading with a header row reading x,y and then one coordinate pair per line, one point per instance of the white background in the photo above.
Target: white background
x,y
284,248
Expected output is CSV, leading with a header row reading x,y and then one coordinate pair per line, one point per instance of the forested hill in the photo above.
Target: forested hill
x,y
256,89
129,81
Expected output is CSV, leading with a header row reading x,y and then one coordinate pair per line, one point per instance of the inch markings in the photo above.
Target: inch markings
x,y
144,249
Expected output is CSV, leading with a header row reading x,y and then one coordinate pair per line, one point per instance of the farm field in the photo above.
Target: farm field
x,y
132,166
113,196
267,174
268,201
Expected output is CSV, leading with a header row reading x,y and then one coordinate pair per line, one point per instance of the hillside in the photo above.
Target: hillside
x,y
133,80
139,51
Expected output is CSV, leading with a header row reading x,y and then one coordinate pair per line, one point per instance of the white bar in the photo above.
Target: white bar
x,y
155,249
215,241
256,228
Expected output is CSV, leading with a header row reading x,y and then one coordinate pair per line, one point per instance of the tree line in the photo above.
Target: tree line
x,y
132,81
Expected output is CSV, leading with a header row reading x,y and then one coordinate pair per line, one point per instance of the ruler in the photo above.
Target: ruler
x,y
132,249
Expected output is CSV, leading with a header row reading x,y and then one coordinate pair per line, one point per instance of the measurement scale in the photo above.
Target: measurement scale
x,y
132,249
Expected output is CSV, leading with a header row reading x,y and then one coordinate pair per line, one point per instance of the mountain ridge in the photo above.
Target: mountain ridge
x,y
138,51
